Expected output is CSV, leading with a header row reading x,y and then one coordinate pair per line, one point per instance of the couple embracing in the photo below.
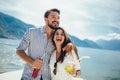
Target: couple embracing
x,y
50,55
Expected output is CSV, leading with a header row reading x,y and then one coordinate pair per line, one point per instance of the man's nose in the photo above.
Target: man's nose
x,y
56,19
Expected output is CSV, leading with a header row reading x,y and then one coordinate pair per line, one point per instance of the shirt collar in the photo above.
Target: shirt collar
x,y
43,29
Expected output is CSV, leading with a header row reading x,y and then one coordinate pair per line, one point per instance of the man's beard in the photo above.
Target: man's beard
x,y
51,26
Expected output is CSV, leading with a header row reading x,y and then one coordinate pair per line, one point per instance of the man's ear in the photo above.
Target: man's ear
x,y
46,20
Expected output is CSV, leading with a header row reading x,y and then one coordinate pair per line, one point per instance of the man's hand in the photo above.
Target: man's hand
x,y
68,47
37,63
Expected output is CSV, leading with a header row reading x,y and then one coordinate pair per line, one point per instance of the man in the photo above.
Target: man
x,y
40,47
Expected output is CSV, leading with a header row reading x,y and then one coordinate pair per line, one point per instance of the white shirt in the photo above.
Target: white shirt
x,y
61,73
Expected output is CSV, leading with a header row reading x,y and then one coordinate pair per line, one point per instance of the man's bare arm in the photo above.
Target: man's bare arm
x,y
34,63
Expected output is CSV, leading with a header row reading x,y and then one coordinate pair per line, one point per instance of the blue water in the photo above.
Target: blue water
x,y
102,64
9,61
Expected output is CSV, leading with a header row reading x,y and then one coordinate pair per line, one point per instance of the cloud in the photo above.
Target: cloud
x,y
8,2
8,5
109,36
84,18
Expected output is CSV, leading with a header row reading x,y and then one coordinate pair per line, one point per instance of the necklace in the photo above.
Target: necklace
x,y
57,55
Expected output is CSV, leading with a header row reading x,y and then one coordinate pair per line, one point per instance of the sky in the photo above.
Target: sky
x,y
85,19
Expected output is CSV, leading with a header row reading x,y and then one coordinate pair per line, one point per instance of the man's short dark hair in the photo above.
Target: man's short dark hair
x,y
48,12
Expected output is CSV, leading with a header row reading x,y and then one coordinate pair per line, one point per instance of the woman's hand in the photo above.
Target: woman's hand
x,y
75,73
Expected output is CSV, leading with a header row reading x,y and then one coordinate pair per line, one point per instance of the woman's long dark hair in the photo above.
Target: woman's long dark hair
x,y
63,53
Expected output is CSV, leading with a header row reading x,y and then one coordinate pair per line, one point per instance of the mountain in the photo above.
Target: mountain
x,y
84,43
11,27
113,44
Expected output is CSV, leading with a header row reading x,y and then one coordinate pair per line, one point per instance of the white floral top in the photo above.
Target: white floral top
x,y
61,73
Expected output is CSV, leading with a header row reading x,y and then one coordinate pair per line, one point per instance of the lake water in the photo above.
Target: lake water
x,y
102,64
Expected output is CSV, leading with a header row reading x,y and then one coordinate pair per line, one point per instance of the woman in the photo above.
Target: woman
x,y
64,65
